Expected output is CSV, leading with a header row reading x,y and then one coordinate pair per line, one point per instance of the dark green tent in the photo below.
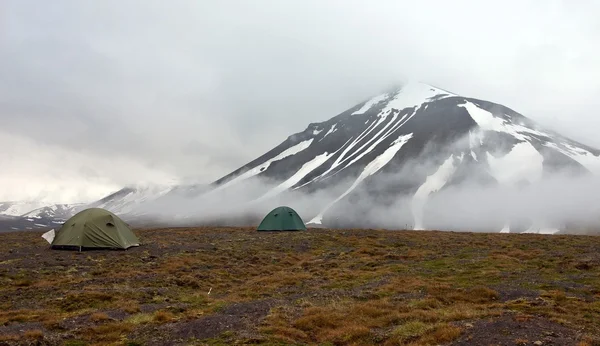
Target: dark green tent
x,y
94,228
282,219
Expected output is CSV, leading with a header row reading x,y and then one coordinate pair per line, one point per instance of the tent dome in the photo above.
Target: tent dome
x,y
282,219
95,228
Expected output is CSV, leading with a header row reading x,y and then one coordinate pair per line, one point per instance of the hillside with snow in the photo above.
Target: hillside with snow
x,y
55,211
126,200
417,157
18,208
380,163
33,215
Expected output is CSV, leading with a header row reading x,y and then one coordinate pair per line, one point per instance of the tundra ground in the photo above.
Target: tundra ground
x,y
223,286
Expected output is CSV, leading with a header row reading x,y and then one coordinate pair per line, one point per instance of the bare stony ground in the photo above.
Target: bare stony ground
x,y
224,286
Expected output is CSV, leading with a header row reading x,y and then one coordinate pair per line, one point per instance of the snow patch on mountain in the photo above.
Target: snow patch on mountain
x,y
433,183
414,95
258,169
298,176
390,128
584,157
370,103
488,122
343,158
332,129
372,168
389,132
523,162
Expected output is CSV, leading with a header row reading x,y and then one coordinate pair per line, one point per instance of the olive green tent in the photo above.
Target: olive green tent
x,y
94,228
282,219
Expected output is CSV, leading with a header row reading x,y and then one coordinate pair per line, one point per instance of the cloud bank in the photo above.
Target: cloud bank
x,y
138,90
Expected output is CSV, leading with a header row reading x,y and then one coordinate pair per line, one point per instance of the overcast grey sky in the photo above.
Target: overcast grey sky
x,y
97,94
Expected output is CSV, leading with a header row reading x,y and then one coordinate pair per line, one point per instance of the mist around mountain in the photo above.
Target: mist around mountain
x,y
416,157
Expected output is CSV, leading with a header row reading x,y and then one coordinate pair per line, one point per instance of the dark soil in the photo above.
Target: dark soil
x,y
241,316
513,330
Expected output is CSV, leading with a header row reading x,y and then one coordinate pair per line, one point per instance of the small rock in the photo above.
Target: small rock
x,y
469,325
538,343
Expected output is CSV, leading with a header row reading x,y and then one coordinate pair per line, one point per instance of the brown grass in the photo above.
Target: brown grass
x,y
85,300
109,332
130,307
9,337
348,334
163,317
34,334
363,287
99,317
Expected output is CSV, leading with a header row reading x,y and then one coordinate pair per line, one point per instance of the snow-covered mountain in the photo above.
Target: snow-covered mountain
x,y
389,162
126,200
407,144
33,215
18,208
55,211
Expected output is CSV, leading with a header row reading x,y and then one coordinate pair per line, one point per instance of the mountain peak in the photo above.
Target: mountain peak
x,y
411,94
415,156
410,143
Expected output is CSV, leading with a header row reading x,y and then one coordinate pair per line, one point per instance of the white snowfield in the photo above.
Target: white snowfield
x,y
433,183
